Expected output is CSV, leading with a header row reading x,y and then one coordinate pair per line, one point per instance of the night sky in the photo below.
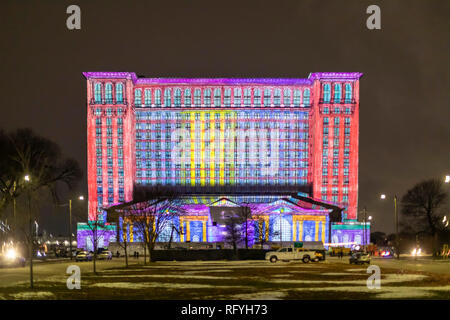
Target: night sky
x,y
404,93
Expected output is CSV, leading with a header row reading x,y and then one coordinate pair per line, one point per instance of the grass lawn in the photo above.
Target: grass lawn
x,y
238,280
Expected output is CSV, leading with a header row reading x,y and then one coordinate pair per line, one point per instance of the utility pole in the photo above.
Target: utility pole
x,y
31,245
70,228
364,230
396,227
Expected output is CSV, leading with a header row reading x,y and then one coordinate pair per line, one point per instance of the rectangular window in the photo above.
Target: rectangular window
x,y
237,97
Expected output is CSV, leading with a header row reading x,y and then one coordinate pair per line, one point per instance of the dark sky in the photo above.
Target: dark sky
x,y
404,106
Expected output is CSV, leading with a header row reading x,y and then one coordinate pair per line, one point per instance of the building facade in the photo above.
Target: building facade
x,y
255,133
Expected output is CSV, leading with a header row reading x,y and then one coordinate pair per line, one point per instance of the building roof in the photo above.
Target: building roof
x,y
332,76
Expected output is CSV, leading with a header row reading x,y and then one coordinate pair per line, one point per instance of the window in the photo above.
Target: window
x,y
237,97
148,97
326,93
267,98
108,93
167,97
119,93
207,97
197,97
337,93
187,97
257,97
287,97
137,97
227,97
277,97
98,92
217,97
158,98
348,93
247,97
306,97
347,121
326,110
297,98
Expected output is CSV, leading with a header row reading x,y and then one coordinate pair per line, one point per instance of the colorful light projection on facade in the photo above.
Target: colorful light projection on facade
x,y
209,132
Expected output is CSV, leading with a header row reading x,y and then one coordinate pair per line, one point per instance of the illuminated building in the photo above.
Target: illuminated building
x,y
255,133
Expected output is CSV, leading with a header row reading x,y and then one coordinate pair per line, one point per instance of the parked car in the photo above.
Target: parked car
x,y
288,254
360,258
104,255
11,258
83,256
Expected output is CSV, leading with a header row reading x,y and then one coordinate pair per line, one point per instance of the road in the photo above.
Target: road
x,y
406,263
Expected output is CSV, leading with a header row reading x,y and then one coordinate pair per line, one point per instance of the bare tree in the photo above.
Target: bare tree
x,y
245,214
422,205
233,231
31,164
265,231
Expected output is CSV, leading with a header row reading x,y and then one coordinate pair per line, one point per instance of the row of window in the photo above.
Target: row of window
x,y
107,96
337,93
222,97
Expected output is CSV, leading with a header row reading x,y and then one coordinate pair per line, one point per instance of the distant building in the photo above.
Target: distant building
x,y
272,135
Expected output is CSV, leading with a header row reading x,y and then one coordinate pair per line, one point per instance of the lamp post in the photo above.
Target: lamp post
x,y
27,180
81,198
383,196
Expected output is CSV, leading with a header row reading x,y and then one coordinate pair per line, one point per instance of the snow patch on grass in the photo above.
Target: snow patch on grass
x,y
267,295
389,278
33,295
165,276
144,285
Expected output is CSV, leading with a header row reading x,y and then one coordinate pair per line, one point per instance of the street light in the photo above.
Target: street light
x,y
70,224
27,180
383,196
70,221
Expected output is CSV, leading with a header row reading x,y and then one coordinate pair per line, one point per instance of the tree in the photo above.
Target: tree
x,y
422,205
233,232
245,215
32,164
265,231
151,212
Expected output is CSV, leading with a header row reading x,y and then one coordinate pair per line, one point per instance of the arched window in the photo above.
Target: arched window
x,y
247,97
237,97
137,97
148,97
177,97
326,93
267,98
306,94
158,98
257,98
98,92
337,93
287,97
277,97
227,97
348,93
197,97
217,97
297,97
187,97
207,97
119,92
167,97
108,93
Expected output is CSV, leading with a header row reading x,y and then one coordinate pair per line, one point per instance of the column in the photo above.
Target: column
x,y
316,231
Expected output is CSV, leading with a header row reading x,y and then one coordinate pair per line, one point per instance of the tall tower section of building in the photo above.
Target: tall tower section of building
x,y
335,139
110,134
